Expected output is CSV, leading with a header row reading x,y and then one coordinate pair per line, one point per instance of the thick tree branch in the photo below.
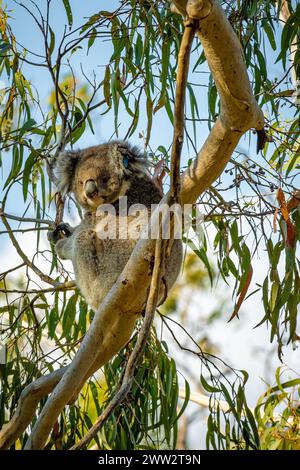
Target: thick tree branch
x,y
160,247
139,347
239,110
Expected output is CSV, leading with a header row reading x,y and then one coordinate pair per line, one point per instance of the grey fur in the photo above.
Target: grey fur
x,y
98,262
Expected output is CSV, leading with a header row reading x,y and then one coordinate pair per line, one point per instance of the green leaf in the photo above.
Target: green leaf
x,y
149,108
275,290
68,12
165,61
69,316
27,126
261,62
27,173
186,400
269,32
138,49
169,109
79,128
212,100
4,47
52,322
52,40
115,99
201,253
92,38
207,387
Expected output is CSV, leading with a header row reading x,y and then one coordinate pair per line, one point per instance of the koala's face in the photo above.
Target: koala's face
x,y
101,174
99,177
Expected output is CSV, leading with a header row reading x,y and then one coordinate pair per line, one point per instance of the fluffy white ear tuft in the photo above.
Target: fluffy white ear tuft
x,y
137,159
65,170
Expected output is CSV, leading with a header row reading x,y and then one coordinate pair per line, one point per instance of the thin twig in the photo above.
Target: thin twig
x,y
23,230
64,286
181,81
15,268
43,277
22,219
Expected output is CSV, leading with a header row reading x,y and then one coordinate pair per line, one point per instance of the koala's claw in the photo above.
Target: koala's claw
x,y
61,231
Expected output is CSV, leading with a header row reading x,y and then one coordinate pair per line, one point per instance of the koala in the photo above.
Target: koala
x,y
98,176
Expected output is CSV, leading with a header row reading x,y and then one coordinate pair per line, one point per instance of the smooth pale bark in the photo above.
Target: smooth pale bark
x,y
115,319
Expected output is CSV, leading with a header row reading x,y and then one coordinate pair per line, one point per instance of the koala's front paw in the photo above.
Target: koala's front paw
x,y
59,233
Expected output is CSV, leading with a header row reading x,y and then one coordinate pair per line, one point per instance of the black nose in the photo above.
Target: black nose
x,y
90,188
104,180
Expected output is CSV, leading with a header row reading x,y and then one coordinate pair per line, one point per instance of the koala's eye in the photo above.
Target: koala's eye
x,y
126,161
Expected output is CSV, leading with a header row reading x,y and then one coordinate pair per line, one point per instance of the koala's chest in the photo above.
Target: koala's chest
x,y
102,251
127,227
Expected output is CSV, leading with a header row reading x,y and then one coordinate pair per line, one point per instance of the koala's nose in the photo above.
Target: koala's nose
x,y
104,180
90,188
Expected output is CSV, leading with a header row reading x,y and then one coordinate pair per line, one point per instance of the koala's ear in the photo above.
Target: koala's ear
x,y
65,170
138,163
134,159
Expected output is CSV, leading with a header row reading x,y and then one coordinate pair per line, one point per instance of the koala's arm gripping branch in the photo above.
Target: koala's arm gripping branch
x,y
64,248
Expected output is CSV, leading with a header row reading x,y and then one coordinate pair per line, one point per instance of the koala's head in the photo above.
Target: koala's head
x,y
101,174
